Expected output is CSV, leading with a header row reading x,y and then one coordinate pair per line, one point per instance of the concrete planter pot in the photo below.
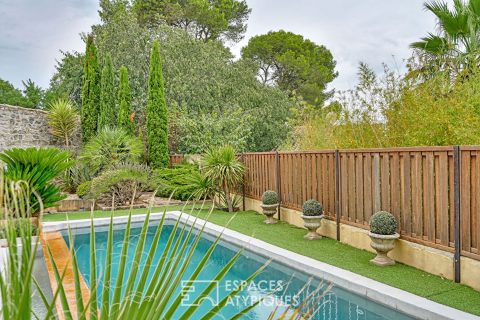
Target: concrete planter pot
x,y
312,223
383,244
269,210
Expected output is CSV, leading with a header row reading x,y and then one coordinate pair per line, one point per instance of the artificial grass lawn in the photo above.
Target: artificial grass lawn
x,y
329,251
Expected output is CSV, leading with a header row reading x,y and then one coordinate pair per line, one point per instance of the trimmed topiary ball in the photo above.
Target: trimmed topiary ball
x,y
312,208
270,197
383,223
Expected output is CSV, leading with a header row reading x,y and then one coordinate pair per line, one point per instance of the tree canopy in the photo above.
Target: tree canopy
x,y
11,95
201,79
294,64
204,19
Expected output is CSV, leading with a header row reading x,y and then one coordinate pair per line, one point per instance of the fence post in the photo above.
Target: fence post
x,y
337,191
278,181
457,164
243,184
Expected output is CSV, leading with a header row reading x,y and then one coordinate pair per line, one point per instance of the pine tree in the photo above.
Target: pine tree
x,y
90,91
125,114
108,114
157,130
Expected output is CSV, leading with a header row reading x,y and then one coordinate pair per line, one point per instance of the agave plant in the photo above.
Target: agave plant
x,y
37,168
63,119
221,166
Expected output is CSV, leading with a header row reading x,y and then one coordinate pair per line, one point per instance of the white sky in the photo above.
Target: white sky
x,y
374,31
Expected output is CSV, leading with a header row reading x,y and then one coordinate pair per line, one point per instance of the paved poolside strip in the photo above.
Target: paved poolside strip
x,y
61,256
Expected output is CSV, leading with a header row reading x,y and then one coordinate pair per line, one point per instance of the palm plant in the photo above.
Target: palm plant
x,y
220,165
458,43
37,168
110,147
63,119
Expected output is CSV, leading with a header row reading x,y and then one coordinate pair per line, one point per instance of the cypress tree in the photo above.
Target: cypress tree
x,y
108,114
157,130
90,91
125,114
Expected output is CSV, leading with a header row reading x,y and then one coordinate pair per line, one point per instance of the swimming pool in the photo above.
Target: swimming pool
x,y
336,302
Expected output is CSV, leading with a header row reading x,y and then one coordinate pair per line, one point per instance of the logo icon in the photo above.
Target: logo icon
x,y
193,289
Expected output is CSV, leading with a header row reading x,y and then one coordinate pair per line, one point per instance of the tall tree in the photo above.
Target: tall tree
x,y
11,95
33,93
157,126
108,115
90,90
205,19
457,44
294,64
125,115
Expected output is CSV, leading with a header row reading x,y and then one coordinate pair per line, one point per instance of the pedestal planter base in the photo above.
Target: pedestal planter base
x,y
269,210
312,223
383,244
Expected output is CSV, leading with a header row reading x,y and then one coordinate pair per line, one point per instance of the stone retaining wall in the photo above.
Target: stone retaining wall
x,y
24,127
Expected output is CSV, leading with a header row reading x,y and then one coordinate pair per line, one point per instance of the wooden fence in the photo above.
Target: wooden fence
x,y
434,192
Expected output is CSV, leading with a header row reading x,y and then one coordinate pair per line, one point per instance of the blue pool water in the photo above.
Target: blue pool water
x,y
335,302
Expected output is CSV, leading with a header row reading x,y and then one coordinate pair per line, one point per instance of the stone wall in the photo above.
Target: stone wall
x,y
24,127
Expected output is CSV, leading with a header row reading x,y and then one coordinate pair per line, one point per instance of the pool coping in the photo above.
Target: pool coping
x,y
389,296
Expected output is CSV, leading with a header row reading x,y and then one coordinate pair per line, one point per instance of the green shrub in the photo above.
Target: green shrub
x,y
121,182
37,168
182,182
270,197
312,208
83,189
383,222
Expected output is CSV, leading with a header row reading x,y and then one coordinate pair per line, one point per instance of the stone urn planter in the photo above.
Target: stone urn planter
x,y
312,218
312,223
383,236
269,210
269,206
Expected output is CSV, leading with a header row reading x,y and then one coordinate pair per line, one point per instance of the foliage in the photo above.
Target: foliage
x,y
195,134
74,176
394,111
383,223
221,166
122,183
83,189
37,168
63,120
185,182
201,80
16,281
204,19
19,227
11,95
90,91
270,197
312,208
294,64
107,116
110,147
34,94
66,82
157,127
126,117
457,44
